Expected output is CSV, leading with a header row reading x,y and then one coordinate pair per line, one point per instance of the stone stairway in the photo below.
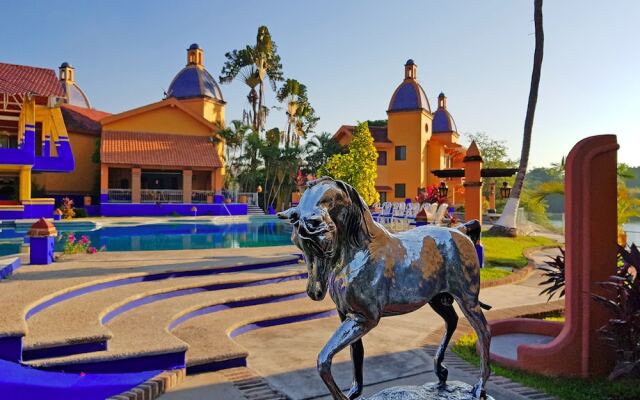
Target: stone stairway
x,y
254,210
129,315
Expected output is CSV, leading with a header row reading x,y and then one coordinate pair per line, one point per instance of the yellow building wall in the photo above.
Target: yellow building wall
x,y
210,110
83,179
161,120
411,129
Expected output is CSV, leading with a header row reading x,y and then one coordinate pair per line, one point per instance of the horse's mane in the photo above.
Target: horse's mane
x,y
355,224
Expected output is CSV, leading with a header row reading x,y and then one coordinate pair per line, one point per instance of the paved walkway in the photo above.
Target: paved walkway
x,y
285,356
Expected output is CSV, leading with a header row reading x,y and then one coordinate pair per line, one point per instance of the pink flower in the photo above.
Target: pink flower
x,y
72,238
92,250
84,239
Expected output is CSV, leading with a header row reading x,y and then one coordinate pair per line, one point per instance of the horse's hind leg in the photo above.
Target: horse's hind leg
x,y
442,305
473,312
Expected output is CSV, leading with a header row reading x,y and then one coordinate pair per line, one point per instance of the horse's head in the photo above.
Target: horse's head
x,y
328,217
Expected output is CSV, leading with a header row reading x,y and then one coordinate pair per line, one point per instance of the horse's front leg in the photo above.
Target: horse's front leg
x,y
357,359
349,332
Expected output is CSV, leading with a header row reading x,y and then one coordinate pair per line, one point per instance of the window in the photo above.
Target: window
x,y
39,139
382,158
383,197
401,153
400,192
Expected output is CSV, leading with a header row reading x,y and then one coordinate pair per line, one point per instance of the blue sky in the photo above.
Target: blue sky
x,y
351,56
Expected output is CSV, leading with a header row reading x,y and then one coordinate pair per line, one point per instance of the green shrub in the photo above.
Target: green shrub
x,y
80,213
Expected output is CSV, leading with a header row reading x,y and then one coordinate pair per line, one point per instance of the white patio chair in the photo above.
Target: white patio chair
x,y
440,214
431,212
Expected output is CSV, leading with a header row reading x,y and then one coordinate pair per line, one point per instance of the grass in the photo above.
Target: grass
x,y
507,252
563,388
491,274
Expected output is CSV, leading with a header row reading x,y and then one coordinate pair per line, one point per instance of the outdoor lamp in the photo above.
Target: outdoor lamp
x,y
505,190
443,190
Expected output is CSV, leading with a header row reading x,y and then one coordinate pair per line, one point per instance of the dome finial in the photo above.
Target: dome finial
x,y
410,69
194,55
442,100
66,72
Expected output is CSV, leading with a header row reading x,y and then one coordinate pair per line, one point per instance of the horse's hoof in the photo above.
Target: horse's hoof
x,y
442,373
354,392
479,393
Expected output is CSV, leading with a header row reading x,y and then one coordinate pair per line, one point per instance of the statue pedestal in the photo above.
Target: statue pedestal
x,y
454,390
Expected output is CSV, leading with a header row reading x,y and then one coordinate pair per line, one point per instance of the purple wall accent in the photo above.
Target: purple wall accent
x,y
152,277
41,250
11,215
185,292
281,321
11,348
93,210
9,268
62,163
38,211
104,198
25,153
166,361
151,209
24,383
66,350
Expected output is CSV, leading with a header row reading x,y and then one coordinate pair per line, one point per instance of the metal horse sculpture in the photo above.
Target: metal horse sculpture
x,y
371,273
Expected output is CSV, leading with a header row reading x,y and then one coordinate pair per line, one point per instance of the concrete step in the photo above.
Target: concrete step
x,y
141,336
85,316
254,210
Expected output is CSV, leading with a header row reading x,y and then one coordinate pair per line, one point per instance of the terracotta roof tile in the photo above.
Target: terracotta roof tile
x,y
379,133
158,149
21,79
82,120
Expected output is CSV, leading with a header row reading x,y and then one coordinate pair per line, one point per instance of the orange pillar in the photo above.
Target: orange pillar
x,y
472,183
187,185
492,194
135,185
104,183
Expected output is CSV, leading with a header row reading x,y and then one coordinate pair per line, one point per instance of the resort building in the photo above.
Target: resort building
x,y
33,137
415,142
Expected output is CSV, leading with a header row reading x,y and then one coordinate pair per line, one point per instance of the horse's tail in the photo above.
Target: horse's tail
x,y
472,229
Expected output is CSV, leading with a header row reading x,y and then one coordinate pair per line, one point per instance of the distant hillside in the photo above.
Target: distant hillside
x,y
634,182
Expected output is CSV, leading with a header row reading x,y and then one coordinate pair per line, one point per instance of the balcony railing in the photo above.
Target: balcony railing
x,y
119,195
201,196
252,198
160,196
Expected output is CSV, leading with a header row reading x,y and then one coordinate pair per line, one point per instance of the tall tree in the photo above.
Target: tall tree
x,y
358,167
233,136
301,118
318,150
255,64
506,225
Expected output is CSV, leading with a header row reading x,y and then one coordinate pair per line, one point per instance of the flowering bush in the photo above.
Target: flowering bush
x,y
80,246
430,195
67,208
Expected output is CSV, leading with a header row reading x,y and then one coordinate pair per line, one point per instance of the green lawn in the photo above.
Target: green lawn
x,y
491,274
564,388
507,252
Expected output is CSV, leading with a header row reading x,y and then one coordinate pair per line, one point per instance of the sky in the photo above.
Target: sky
x,y
350,54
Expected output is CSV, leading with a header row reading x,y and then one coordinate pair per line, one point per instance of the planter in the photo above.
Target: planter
x,y
242,199
209,199
227,201
87,201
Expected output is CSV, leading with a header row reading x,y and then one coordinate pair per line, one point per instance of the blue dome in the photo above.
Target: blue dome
x,y
194,81
443,121
409,96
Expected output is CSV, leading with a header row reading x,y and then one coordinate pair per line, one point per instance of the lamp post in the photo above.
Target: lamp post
x,y
443,190
505,190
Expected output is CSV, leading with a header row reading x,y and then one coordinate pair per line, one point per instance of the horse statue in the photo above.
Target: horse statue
x,y
372,273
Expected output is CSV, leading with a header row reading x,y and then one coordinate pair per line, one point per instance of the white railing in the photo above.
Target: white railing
x,y
119,195
160,196
201,196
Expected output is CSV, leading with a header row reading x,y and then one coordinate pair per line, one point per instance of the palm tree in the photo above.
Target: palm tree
x,y
301,116
506,225
254,64
319,149
234,139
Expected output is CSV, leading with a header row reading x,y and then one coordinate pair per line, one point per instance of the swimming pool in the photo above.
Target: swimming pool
x,y
167,236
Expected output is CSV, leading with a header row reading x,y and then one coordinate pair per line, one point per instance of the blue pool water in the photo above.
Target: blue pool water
x,y
167,236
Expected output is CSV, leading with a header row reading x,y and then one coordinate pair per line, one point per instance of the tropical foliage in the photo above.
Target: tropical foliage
x,y
554,272
301,117
358,167
79,246
318,150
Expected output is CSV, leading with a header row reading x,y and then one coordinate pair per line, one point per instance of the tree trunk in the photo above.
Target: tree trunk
x,y
260,105
506,225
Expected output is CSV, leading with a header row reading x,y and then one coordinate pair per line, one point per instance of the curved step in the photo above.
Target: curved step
x,y
35,288
210,337
141,339
85,316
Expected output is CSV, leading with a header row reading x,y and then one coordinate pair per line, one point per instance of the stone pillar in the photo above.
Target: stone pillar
x,y
472,183
492,194
187,185
25,183
136,174
41,239
218,180
104,183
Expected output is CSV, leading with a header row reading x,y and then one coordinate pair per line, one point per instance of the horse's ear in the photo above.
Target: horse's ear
x,y
354,196
316,181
